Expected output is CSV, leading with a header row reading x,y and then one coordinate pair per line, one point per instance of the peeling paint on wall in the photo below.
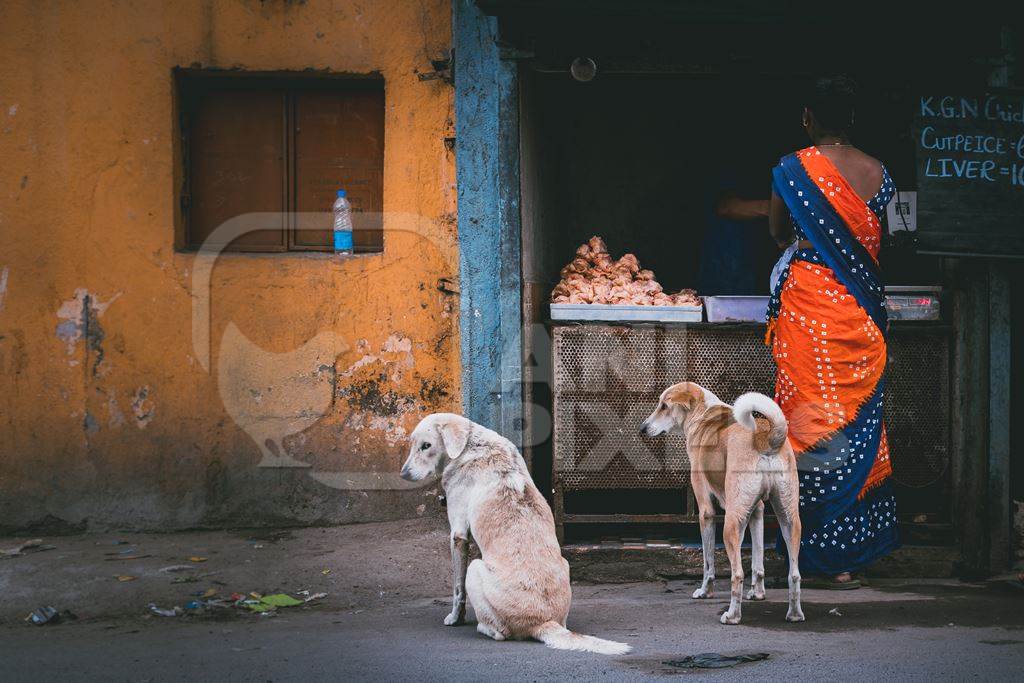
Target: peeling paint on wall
x,y
375,391
398,344
142,407
115,418
374,376
395,354
81,316
3,286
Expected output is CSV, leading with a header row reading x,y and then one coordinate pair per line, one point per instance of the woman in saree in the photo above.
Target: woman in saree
x,y
827,330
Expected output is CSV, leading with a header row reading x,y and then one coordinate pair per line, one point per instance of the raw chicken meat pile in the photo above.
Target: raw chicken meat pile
x,y
594,278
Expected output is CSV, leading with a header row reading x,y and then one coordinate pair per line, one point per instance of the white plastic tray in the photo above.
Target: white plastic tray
x,y
621,313
731,309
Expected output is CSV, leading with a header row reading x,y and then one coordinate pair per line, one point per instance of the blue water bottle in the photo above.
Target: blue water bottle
x,y
342,224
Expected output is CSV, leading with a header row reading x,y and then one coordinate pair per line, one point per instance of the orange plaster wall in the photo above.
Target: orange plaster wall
x,y
108,416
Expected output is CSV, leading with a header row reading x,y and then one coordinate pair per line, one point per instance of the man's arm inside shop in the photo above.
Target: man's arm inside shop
x,y
735,208
779,225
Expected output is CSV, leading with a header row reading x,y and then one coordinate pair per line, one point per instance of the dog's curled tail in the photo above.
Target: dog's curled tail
x,y
556,636
743,409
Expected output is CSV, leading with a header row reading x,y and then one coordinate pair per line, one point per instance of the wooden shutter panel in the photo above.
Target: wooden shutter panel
x,y
339,143
237,150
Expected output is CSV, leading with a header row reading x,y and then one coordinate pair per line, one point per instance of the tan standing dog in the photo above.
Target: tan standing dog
x,y
742,463
520,589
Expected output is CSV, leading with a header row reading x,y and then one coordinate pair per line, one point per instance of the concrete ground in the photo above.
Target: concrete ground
x,y
387,588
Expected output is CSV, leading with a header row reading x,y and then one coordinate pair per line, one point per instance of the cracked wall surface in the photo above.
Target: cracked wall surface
x,y
318,366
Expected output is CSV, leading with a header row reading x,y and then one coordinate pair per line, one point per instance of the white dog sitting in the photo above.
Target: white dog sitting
x,y
520,589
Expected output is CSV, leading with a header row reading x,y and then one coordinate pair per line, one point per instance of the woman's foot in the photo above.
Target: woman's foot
x,y
842,578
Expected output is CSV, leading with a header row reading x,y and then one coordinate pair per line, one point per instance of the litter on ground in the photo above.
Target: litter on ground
x,y
173,612
49,615
714,660
269,603
265,605
19,549
35,545
43,615
307,596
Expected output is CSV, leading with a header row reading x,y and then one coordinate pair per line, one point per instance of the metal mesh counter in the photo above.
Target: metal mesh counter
x,y
607,379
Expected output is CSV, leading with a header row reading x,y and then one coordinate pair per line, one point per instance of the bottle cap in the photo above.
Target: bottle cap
x,y
342,193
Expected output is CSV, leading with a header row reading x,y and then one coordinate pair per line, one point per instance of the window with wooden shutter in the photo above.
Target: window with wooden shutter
x,y
280,146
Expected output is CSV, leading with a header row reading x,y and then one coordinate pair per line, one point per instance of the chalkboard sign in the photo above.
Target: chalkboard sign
x,y
970,173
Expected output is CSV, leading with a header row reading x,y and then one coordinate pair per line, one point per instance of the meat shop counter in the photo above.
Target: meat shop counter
x,y
607,377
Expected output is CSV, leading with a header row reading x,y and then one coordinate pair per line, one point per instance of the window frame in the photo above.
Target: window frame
x,y
191,83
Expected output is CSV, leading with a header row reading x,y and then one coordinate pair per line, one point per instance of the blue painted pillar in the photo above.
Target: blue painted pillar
x,y
487,173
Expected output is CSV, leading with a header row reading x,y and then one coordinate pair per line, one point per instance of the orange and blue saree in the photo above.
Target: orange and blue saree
x,y
827,329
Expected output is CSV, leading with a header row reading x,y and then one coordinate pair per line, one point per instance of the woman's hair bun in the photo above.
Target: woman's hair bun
x,y
831,100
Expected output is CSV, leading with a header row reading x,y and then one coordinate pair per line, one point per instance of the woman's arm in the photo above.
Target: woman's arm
x,y
737,209
778,221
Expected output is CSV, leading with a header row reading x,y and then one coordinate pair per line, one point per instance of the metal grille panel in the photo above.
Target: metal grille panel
x,y
608,378
917,406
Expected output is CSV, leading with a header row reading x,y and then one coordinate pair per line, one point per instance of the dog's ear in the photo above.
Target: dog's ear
x,y
682,395
455,435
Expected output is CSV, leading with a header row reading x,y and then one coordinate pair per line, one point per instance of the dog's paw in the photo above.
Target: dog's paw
x,y
754,594
794,616
702,593
729,619
454,620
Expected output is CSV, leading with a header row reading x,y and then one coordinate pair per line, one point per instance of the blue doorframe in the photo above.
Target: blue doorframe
x,y
487,173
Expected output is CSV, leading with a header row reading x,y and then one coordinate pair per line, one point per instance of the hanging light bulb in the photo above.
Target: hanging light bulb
x,y
583,69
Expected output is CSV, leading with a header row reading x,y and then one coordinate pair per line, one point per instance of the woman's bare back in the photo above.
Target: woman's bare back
x,y
862,171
